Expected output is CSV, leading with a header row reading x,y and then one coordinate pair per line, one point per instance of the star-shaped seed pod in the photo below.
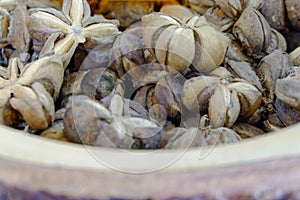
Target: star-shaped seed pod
x,y
201,46
30,91
226,99
74,22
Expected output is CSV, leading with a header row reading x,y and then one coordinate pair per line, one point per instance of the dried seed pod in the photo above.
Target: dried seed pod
x,y
271,68
19,36
274,12
218,19
98,83
202,46
56,131
167,94
227,99
277,42
30,91
233,8
74,22
287,91
235,51
180,138
273,123
295,56
177,11
292,8
4,24
247,130
127,12
287,115
253,31
244,71
201,6
88,122
128,51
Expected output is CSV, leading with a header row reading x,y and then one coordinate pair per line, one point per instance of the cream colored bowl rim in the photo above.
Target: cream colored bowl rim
x,y
23,147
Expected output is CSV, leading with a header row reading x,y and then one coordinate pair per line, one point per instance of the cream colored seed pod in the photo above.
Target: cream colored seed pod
x,y
181,44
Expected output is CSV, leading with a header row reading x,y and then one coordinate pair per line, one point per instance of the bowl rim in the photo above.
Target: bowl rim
x,y
33,149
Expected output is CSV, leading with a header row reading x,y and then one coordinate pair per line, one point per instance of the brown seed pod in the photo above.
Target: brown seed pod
x,y
253,31
287,115
201,46
247,130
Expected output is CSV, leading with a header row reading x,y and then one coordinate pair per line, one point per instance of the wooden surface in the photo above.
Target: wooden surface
x,y
266,167
277,179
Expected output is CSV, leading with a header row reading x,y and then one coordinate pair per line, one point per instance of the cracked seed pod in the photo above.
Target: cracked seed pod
x,y
253,31
235,51
271,68
202,47
167,94
233,8
225,99
275,13
145,96
180,138
287,91
30,91
201,6
96,83
273,123
128,51
286,114
247,130
88,122
145,130
292,8
218,19
244,71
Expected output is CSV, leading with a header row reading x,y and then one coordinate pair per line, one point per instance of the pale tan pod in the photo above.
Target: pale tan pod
x,y
151,24
175,48
213,46
218,106
233,110
193,87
